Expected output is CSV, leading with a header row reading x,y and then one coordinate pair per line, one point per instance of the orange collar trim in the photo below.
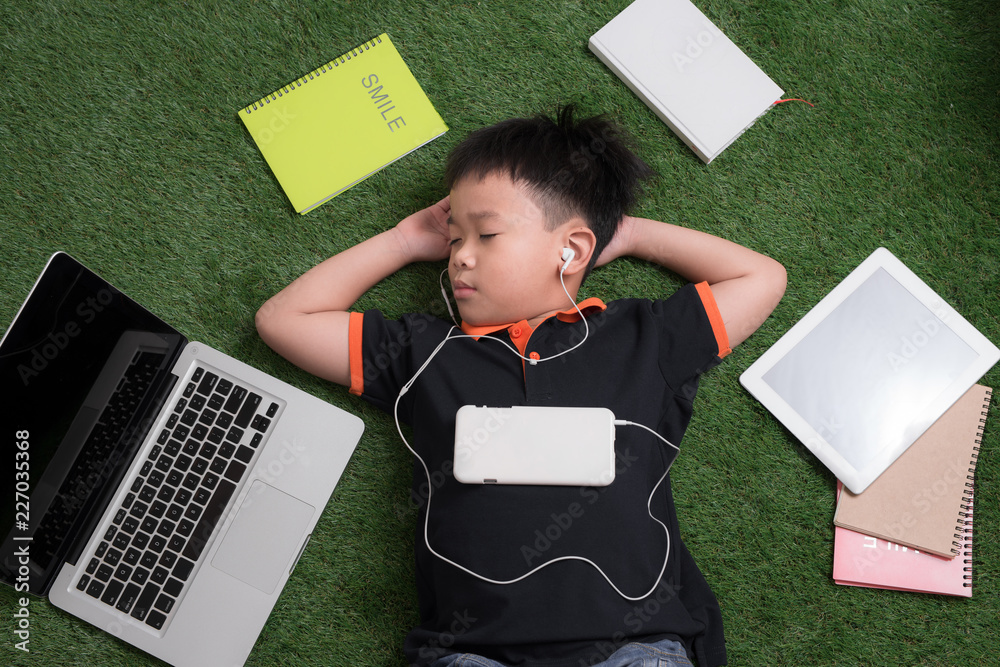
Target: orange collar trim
x,y
587,306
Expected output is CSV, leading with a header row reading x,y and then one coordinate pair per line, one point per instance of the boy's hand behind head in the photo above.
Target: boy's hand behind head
x,y
424,236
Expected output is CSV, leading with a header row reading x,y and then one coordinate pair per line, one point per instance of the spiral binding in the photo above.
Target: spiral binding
x,y
964,534
965,550
319,71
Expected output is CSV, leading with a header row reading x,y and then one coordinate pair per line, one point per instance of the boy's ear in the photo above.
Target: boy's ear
x,y
581,240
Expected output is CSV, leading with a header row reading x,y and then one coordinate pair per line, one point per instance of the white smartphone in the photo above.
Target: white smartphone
x,y
535,445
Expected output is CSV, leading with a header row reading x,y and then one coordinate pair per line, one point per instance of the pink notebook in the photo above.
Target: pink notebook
x,y
864,560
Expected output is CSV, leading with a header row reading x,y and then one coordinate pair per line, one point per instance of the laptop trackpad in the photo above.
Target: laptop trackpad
x,y
264,538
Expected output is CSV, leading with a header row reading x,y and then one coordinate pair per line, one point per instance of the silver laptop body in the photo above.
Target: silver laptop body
x,y
184,484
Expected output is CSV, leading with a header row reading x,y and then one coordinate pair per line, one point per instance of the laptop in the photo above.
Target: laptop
x,y
870,368
164,491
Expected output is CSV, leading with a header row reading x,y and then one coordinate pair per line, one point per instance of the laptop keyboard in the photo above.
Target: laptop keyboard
x,y
178,497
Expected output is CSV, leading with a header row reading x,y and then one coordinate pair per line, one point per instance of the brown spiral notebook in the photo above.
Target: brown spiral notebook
x,y
918,502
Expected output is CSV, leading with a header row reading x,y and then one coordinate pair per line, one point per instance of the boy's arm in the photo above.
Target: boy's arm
x,y
308,321
746,285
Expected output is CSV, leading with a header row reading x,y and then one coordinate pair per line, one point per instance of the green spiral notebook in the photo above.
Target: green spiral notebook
x,y
341,123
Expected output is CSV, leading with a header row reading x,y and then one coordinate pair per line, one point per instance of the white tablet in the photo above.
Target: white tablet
x,y
869,368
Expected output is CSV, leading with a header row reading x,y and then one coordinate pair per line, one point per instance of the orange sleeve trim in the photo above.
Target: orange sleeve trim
x,y
356,359
715,318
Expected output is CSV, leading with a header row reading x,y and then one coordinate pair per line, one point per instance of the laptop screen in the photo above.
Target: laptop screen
x,y
82,370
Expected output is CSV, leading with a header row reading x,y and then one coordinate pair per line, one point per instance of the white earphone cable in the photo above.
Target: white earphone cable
x,y
649,510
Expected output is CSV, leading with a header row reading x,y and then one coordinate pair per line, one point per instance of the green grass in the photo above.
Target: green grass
x,y
119,142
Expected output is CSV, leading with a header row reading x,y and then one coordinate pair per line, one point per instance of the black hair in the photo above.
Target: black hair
x,y
571,167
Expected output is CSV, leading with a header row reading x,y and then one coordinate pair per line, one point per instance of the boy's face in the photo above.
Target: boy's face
x,y
504,264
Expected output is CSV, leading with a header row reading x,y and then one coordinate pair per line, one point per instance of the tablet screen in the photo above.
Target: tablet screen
x,y
870,369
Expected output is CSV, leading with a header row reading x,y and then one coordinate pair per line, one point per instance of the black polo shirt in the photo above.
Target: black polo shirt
x,y
642,360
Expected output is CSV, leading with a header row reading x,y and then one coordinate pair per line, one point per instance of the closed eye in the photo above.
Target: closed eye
x,y
482,237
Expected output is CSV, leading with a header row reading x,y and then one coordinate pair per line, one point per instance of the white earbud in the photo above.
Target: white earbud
x,y
567,256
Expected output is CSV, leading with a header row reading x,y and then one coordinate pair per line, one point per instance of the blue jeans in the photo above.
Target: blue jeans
x,y
665,653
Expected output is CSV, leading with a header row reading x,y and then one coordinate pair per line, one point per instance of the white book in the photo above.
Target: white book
x,y
687,71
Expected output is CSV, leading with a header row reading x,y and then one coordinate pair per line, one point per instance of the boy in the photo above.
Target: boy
x,y
534,204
